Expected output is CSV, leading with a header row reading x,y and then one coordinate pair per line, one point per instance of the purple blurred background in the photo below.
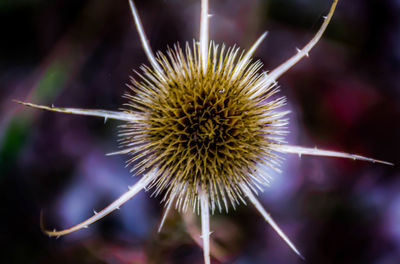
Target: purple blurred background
x,y
80,54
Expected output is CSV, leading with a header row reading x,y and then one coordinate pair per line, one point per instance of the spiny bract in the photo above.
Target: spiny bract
x,y
203,131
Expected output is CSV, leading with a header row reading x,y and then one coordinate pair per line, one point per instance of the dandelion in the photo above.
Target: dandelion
x,y
201,125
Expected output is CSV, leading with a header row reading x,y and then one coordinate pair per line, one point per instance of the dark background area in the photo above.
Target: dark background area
x,y
80,54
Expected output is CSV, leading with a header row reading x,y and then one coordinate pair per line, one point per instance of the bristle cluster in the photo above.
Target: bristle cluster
x,y
203,131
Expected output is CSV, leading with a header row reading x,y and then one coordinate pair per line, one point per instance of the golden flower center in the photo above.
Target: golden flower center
x,y
202,131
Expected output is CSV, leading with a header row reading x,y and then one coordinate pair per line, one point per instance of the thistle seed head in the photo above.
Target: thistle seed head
x,y
201,125
203,131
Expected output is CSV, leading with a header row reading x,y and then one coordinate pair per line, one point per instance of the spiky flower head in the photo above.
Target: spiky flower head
x,y
203,131
201,125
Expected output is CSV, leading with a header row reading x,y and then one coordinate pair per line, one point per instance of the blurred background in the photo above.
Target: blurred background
x,y
76,53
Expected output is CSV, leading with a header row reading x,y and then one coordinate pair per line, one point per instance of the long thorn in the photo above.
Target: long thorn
x,y
204,34
167,209
276,73
122,116
97,216
144,40
327,153
205,227
249,54
269,219
216,251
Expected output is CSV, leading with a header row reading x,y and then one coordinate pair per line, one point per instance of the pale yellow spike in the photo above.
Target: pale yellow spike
x,y
122,116
268,218
247,57
204,34
145,42
301,53
321,152
205,226
141,184
167,209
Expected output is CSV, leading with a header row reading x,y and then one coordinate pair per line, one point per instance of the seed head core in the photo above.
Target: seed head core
x,y
203,131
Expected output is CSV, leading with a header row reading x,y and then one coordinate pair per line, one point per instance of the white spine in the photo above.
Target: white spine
x,y
167,209
122,116
276,73
205,226
246,58
268,218
204,35
144,40
141,184
321,152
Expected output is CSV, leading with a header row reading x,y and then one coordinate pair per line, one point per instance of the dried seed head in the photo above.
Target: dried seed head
x,y
203,131
201,126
